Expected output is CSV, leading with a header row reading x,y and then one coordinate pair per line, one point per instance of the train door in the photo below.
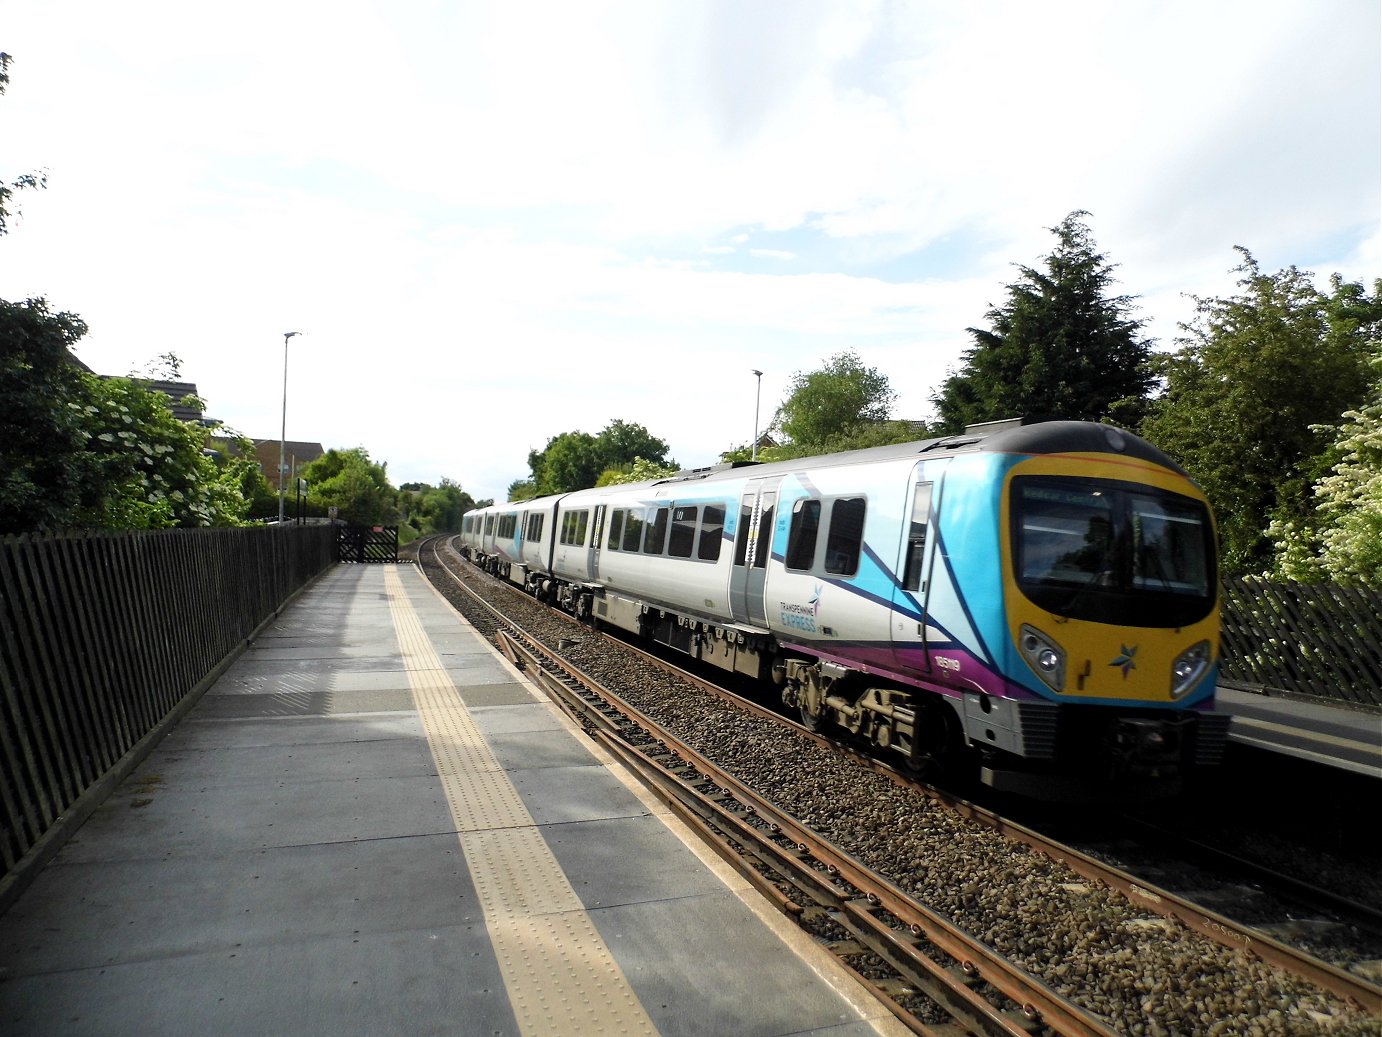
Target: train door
x,y
753,545
911,593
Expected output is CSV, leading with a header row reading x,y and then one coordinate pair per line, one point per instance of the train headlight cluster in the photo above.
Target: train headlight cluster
x,y
1044,656
1188,668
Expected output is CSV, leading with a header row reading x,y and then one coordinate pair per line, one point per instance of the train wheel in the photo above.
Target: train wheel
x,y
940,746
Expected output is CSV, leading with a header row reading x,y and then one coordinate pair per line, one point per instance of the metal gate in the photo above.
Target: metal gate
x,y
366,543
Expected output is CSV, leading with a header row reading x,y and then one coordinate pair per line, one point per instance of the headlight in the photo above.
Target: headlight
x,y
1044,656
1188,668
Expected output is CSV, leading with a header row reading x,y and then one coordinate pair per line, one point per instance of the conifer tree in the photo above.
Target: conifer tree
x,y
1061,346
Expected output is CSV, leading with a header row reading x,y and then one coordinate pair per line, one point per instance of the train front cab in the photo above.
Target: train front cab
x,y
1112,611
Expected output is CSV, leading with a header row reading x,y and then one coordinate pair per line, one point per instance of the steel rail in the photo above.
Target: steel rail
x,y
1214,926
955,987
860,909
1355,990
1288,887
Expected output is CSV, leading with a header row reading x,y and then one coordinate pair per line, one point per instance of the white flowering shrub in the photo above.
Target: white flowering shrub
x,y
147,469
1347,542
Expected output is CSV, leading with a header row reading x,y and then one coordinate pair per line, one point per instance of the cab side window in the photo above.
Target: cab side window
x,y
916,536
801,539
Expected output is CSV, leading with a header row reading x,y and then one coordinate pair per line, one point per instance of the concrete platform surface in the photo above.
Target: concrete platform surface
x,y
372,824
1334,736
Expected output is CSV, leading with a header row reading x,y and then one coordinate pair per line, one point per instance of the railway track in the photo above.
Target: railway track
x,y
983,956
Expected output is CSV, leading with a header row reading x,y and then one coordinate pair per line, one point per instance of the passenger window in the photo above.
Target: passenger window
x,y
633,531
616,530
683,532
765,537
741,541
712,533
655,535
582,522
916,537
801,540
846,537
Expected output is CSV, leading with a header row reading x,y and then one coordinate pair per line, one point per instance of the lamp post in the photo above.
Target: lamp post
x,y
758,396
283,431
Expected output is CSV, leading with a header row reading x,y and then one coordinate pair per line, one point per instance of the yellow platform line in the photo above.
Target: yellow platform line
x,y
559,974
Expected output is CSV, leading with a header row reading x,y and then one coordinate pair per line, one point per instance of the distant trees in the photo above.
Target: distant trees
x,y
639,471
1061,346
842,405
577,460
1254,396
355,486
829,405
427,509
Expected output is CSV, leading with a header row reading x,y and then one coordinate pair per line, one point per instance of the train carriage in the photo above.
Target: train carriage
x,y
1035,599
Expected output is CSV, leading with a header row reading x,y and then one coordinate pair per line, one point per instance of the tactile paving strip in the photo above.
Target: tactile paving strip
x,y
560,975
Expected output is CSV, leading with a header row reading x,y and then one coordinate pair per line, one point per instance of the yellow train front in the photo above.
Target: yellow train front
x,y
1097,653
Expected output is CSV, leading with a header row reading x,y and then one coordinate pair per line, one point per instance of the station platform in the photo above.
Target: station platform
x,y
372,824
1333,736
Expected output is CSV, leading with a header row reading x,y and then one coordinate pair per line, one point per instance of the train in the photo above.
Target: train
x,y
1032,604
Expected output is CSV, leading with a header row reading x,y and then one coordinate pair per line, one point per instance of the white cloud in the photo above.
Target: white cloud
x,y
502,222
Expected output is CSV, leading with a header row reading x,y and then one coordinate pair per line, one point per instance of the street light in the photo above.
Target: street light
x,y
758,396
283,432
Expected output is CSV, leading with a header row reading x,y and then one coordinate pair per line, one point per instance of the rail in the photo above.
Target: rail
x,y
880,893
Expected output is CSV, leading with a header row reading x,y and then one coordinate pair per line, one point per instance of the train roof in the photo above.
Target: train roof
x,y
1013,436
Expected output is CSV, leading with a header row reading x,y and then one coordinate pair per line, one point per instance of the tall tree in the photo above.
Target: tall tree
x,y
825,406
1254,394
1060,346
43,468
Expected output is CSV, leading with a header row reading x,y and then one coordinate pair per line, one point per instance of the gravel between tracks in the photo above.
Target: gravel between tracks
x,y
1143,974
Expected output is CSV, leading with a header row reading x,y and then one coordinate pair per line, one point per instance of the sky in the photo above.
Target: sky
x,y
496,222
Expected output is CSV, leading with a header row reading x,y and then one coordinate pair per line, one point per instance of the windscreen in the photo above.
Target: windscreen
x,y
1113,552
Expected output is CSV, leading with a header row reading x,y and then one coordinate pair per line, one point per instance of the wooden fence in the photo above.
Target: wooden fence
x,y
106,639
1322,640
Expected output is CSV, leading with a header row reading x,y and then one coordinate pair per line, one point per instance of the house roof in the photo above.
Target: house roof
x,y
175,391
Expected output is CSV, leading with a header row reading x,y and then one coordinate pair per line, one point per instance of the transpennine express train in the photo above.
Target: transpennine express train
x,y
1034,604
